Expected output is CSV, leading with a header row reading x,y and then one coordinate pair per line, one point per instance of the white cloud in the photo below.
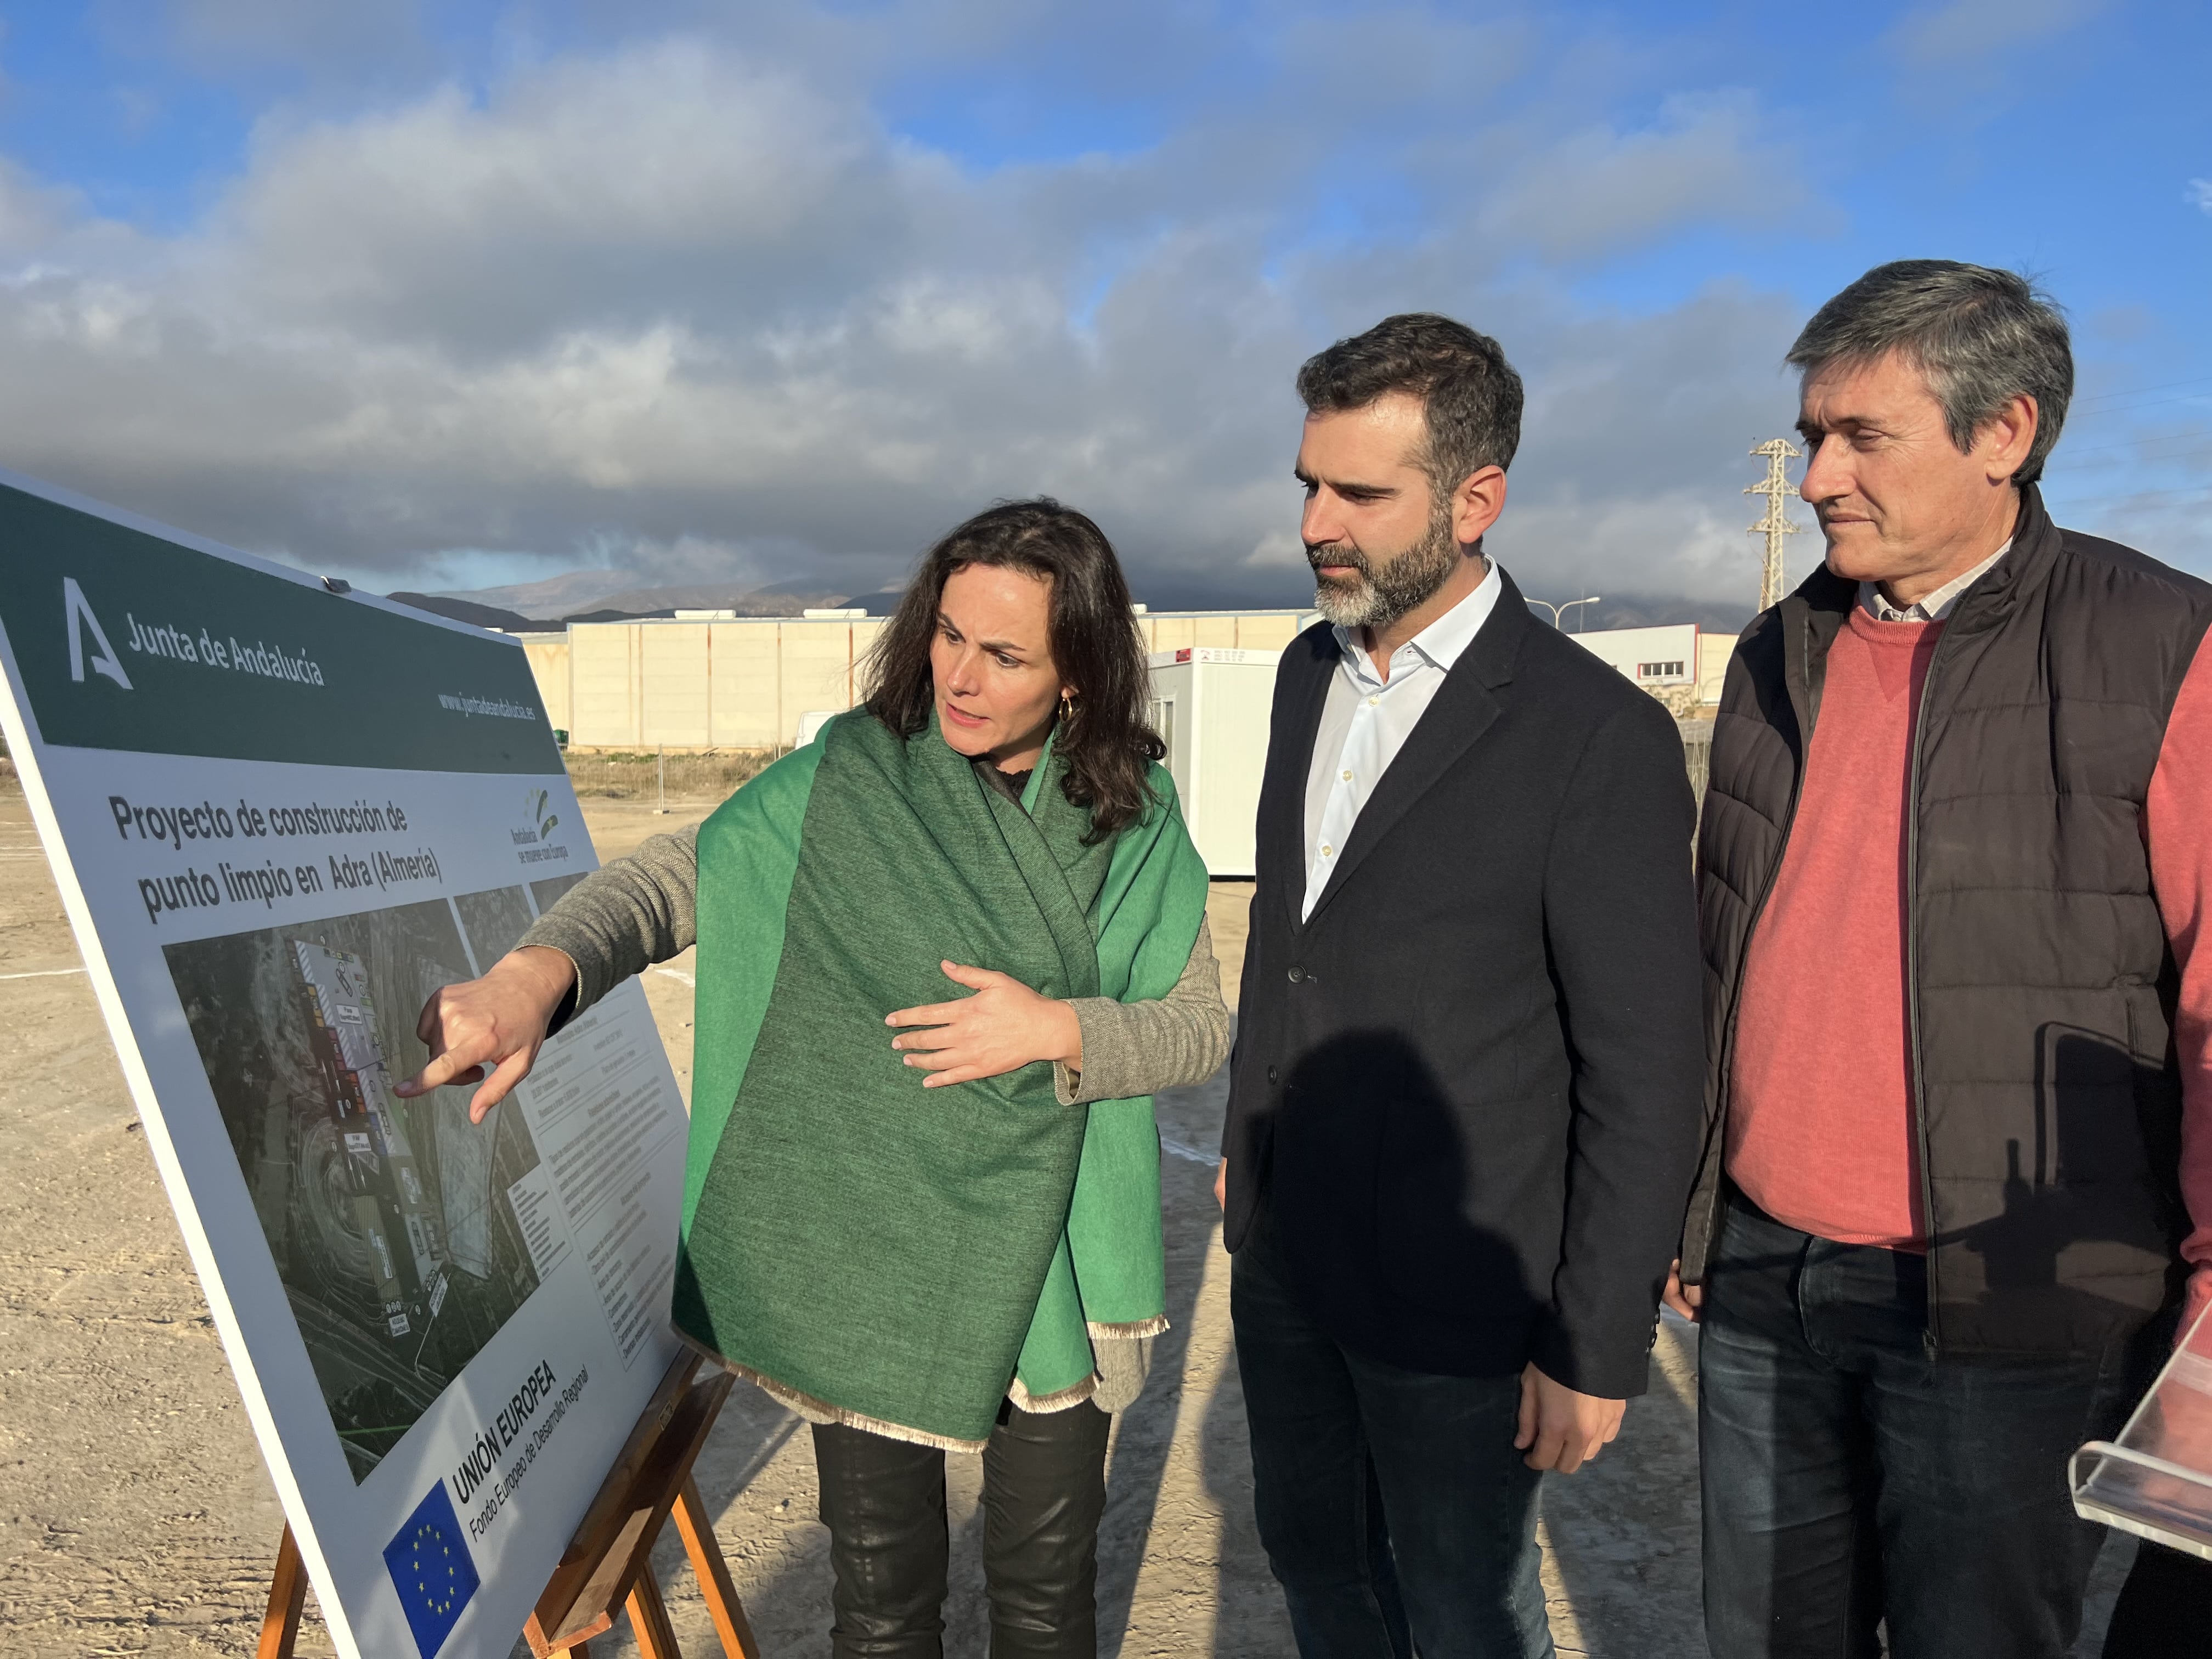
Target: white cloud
x,y
1600,191
675,306
634,181
231,36
1962,31
2200,193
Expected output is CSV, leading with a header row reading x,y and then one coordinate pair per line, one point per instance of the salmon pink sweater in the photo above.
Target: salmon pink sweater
x,y
1820,1126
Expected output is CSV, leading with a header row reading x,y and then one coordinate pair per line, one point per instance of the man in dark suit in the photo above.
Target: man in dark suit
x,y
1465,1102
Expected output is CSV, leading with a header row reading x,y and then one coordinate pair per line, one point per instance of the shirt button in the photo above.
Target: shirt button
x,y
1297,973
1273,1075
1347,777
1326,850
1372,701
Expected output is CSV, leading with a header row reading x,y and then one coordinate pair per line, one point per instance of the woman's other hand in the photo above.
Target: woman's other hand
x,y
488,1031
1003,1026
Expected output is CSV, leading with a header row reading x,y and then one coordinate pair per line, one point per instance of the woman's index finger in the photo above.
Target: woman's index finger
x,y
443,1068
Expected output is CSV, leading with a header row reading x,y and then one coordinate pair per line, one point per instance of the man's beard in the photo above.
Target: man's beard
x,y
1378,597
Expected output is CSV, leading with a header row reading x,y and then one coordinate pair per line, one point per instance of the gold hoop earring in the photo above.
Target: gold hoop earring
x,y
1066,708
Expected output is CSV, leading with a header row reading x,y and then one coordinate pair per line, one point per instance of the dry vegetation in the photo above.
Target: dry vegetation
x,y
649,775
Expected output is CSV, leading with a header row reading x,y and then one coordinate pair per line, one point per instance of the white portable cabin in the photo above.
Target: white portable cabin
x,y
1652,657
1210,706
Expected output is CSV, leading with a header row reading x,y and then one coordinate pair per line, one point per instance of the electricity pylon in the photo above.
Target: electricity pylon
x,y
1772,583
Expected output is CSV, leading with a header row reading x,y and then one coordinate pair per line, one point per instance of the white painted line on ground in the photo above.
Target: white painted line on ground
x,y
677,972
1177,1148
43,973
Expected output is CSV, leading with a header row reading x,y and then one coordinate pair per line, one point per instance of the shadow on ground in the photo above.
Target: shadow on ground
x,y
146,1526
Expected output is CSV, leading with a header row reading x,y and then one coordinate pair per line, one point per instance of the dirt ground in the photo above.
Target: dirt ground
x,y
136,1516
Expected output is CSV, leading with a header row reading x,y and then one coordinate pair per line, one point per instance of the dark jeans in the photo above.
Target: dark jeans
x,y
1395,1510
1045,1487
1848,1480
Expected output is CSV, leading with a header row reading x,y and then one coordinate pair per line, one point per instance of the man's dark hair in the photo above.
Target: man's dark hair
x,y
1092,629
1469,391
1980,337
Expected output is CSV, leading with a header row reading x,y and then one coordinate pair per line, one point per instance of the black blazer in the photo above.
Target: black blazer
x,y
1465,1102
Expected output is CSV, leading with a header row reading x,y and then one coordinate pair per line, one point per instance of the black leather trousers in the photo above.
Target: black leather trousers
x,y
1045,1487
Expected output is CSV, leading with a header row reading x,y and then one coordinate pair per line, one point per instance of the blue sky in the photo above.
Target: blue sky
x,y
455,295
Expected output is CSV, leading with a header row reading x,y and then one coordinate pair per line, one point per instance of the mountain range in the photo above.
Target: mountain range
x,y
607,596
612,596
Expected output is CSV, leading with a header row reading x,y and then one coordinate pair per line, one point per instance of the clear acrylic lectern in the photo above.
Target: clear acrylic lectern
x,y
2155,1480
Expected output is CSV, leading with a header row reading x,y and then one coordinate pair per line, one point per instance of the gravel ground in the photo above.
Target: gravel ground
x,y
136,1516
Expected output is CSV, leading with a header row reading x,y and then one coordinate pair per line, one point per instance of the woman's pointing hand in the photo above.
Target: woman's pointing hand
x,y
488,1031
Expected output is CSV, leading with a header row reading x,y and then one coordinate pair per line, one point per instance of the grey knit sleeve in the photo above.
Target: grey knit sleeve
x,y
620,920
1141,1048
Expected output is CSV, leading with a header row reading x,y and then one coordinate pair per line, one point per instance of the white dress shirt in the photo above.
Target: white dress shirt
x,y
1937,605
1367,719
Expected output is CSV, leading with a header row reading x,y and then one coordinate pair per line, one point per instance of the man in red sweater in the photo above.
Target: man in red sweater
x,y
1956,849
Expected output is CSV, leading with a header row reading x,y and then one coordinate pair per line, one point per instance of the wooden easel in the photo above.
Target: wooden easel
x,y
607,1568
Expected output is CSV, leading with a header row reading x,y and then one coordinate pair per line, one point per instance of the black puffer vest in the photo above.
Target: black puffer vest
x,y
2041,991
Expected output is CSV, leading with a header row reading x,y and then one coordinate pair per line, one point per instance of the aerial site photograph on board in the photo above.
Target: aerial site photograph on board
x,y
395,1226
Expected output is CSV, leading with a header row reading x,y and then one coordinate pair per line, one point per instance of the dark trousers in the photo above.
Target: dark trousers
x,y
1848,1480
1396,1513
1045,1487
2164,1609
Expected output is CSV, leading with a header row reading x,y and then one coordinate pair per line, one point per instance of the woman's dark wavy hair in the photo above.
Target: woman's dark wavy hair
x,y
1093,634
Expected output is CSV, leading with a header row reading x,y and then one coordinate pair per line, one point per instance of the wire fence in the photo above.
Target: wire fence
x,y
656,777
1697,761
1696,755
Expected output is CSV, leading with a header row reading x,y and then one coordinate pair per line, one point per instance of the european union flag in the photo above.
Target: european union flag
x,y
430,1566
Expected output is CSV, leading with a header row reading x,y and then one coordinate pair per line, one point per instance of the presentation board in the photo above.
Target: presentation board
x,y
282,816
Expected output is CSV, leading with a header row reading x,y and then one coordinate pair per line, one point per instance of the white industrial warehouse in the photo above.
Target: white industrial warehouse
x,y
704,682
712,681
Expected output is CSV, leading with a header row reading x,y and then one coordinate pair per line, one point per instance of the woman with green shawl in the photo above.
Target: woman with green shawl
x,y
946,953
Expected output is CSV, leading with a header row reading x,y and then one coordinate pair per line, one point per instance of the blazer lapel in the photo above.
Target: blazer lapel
x,y
1463,708
1316,661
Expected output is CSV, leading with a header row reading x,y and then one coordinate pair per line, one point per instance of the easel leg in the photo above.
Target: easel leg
x,y
287,1598
607,1569
648,1618
714,1573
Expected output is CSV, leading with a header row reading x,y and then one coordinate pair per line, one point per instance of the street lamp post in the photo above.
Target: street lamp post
x,y
1570,604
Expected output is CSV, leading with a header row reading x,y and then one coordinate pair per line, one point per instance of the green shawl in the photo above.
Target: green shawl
x,y
904,1257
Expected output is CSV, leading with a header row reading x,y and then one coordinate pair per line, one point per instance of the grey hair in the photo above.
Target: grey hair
x,y
1980,337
